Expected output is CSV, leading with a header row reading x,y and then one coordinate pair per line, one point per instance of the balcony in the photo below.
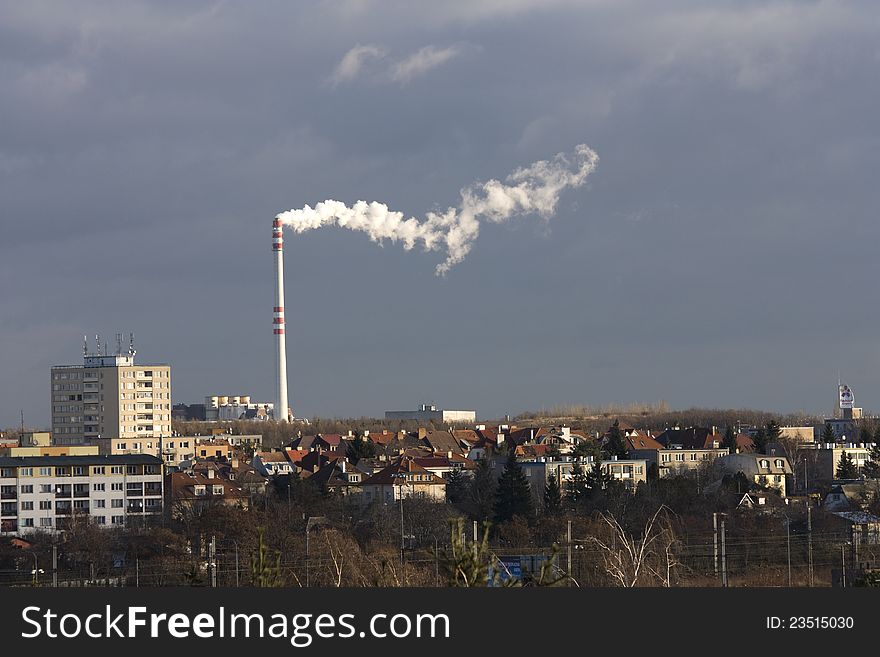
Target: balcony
x,y
11,495
62,491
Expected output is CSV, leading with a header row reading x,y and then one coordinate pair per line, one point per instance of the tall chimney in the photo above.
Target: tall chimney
x,y
278,324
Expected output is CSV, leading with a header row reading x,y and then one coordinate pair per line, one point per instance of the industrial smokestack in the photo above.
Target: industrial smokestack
x,y
278,324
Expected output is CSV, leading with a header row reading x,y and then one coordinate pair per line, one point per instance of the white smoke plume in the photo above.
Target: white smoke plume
x,y
534,189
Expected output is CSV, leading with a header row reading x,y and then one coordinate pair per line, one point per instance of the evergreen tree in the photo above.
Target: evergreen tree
x,y
828,434
773,431
729,441
865,435
514,494
596,479
576,486
586,449
871,469
481,496
614,445
552,496
456,487
360,449
760,440
846,469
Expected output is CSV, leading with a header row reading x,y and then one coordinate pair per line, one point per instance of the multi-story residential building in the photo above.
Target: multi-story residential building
x,y
821,460
110,397
678,460
47,493
50,450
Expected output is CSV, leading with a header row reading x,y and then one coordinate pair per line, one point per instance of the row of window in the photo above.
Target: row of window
x,y
99,520
79,471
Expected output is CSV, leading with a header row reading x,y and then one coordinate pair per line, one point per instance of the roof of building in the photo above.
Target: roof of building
x,y
183,486
442,441
639,439
271,457
401,472
98,459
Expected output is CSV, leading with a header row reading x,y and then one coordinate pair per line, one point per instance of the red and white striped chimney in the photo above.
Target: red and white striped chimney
x,y
278,324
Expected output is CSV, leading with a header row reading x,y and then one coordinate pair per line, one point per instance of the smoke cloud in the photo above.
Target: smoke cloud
x,y
534,189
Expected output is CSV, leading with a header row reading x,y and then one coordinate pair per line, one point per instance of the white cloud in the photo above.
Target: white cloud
x,y
354,63
350,66
422,61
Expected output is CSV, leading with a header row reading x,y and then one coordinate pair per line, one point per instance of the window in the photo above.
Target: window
x,y
99,470
28,522
27,489
765,464
116,469
117,486
46,488
100,520
78,471
27,506
199,490
25,472
45,505
132,470
117,503
98,487
118,520
45,472
780,463
45,522
217,490
100,504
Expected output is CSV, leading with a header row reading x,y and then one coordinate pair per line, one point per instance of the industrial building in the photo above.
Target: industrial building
x,y
109,396
237,407
430,413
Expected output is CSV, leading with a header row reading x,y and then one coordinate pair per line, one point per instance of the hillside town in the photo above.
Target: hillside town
x,y
117,494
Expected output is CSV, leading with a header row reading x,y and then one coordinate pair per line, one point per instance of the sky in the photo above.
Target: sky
x,y
723,253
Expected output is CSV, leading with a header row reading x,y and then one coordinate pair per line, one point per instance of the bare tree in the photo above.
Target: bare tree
x,y
630,559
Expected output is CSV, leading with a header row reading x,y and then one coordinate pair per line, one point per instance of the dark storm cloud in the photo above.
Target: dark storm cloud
x,y
721,254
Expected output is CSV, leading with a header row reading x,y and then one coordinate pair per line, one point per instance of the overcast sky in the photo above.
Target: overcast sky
x,y
724,252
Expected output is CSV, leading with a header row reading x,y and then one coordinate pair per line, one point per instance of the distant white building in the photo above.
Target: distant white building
x,y
430,413
237,407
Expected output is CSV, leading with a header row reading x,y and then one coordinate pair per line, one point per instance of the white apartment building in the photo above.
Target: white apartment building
x,y
110,397
46,493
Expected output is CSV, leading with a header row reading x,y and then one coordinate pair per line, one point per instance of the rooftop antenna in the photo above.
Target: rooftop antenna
x,y
119,344
85,346
97,344
106,351
131,350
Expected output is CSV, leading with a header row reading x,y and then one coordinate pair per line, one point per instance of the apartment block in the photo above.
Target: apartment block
x,y
48,493
110,396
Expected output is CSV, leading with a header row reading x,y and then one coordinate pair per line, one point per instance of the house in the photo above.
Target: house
x,y
190,491
763,470
442,466
856,527
691,438
403,478
442,442
271,464
854,496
